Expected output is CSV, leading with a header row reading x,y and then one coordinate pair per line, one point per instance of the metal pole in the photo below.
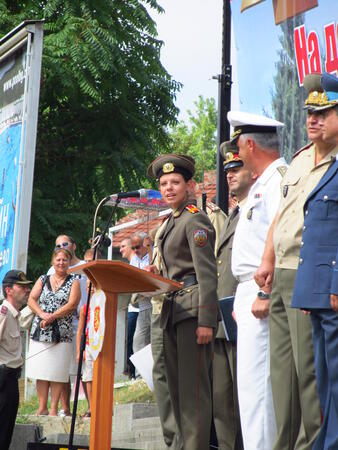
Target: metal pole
x,y
224,105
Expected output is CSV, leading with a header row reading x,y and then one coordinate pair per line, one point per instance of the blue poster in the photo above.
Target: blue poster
x,y
12,82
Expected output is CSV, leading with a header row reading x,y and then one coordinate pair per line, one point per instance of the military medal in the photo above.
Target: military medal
x,y
200,237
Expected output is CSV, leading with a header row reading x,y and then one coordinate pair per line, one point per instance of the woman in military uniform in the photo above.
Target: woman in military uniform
x,y
189,317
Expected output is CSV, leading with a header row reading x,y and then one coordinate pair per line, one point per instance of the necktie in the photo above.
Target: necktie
x,y
234,213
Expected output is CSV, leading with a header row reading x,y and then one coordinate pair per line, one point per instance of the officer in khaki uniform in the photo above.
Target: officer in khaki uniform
x,y
316,284
225,401
190,316
15,288
293,380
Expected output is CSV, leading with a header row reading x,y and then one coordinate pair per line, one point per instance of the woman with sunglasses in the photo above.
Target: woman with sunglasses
x,y
53,299
189,316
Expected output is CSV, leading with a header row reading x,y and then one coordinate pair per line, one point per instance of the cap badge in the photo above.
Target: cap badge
x,y
200,237
315,93
236,133
229,156
168,167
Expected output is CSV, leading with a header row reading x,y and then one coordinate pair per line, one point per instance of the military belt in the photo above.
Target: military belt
x,y
10,372
189,281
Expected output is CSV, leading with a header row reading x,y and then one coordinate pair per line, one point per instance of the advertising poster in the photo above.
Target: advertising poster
x,y
275,44
12,88
20,75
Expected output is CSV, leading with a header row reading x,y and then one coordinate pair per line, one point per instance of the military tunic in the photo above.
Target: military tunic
x,y
253,371
225,401
10,370
316,279
292,362
186,247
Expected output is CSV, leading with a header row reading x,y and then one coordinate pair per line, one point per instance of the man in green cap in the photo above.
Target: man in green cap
x,y
15,288
293,380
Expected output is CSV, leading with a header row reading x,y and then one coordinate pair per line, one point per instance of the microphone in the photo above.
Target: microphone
x,y
141,193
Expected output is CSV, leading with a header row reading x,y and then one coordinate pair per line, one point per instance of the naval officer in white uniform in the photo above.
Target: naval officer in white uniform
x,y
257,141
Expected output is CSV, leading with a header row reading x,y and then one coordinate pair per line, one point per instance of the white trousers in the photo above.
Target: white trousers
x,y
253,372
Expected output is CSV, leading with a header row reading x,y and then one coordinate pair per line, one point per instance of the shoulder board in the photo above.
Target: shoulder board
x,y
3,310
192,209
302,149
213,207
282,170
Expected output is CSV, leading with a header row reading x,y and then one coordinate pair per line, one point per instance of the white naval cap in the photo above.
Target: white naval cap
x,y
244,122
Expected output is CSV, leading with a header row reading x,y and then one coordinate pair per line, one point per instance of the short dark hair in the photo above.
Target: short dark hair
x,y
4,286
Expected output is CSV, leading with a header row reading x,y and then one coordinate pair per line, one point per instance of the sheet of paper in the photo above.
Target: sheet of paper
x,y
143,361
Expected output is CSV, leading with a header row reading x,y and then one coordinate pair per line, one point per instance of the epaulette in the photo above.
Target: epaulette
x,y
302,149
3,310
192,209
213,207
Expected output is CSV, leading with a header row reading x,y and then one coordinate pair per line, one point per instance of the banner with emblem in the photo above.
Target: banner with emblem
x,y
20,73
275,44
97,323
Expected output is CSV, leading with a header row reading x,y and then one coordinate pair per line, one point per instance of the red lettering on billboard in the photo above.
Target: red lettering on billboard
x,y
301,53
331,48
313,46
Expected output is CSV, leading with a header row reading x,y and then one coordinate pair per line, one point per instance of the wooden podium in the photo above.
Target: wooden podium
x,y
113,277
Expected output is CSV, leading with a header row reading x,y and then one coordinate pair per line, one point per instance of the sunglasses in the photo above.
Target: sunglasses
x,y
135,247
64,244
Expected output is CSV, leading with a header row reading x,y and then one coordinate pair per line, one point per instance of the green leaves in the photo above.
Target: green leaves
x,y
198,138
106,103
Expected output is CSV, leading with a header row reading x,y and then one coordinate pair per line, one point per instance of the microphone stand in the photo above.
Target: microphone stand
x,y
83,335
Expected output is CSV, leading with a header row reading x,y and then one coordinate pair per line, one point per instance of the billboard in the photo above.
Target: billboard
x,y
20,69
276,43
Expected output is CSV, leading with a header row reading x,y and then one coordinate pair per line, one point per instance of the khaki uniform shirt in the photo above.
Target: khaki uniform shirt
x,y
300,179
10,339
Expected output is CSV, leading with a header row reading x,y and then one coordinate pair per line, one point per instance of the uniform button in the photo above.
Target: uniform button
x,y
304,227
306,212
301,261
218,274
301,244
325,198
333,263
219,261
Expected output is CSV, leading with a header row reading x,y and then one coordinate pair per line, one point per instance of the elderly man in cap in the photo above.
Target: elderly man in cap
x,y
292,362
15,288
258,145
225,401
316,284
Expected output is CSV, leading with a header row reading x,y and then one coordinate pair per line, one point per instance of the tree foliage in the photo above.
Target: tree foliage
x,y
288,99
105,104
198,137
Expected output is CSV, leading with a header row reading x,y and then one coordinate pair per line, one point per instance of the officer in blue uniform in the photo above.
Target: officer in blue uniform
x,y
316,285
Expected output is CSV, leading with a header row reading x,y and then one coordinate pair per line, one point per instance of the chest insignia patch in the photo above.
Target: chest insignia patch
x,y
192,209
249,214
258,195
201,237
285,190
3,310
